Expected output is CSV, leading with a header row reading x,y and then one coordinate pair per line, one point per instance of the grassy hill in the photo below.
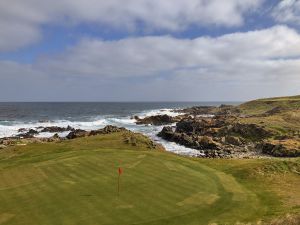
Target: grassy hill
x,y
264,105
75,182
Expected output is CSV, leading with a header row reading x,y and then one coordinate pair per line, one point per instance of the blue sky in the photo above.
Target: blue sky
x,y
149,50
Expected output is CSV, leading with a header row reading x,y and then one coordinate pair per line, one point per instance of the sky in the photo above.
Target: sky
x,y
149,50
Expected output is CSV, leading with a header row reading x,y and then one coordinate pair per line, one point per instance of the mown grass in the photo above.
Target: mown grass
x,y
75,182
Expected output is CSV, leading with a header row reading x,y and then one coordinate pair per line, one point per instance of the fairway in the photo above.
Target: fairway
x,y
75,182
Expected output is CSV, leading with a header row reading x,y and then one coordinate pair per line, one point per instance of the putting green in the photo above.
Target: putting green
x,y
75,182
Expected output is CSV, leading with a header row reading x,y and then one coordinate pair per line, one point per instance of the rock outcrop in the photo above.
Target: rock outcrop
x,y
278,150
55,129
215,137
157,120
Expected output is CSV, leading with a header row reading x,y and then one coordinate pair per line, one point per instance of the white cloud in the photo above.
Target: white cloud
x,y
235,66
287,11
20,21
150,56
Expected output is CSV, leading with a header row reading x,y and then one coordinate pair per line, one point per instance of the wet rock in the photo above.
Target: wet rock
x,y
56,136
21,130
157,120
166,133
32,131
44,121
29,134
198,110
76,134
55,129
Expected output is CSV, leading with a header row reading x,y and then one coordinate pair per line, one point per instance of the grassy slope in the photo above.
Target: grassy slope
x,y
74,182
284,122
263,105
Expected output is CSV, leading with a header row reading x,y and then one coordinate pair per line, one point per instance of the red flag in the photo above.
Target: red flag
x,y
120,171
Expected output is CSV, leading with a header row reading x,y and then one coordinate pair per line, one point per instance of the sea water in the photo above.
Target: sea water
x,y
91,116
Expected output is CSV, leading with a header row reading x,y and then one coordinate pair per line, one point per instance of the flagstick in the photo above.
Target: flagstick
x,y
119,185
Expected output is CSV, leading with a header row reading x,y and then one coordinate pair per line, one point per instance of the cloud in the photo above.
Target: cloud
x,y
152,56
21,21
235,66
287,11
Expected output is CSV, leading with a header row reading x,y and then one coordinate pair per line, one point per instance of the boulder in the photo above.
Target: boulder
x,y
55,129
206,142
157,120
248,131
106,130
76,134
198,110
21,130
29,134
277,150
32,131
166,133
274,111
233,140
196,126
56,136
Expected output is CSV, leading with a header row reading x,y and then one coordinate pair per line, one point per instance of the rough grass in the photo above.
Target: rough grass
x,y
285,122
262,105
75,182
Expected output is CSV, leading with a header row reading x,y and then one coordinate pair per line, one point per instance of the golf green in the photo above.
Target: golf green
x,y
75,182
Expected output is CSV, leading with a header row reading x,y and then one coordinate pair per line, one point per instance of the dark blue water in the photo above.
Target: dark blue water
x,y
91,116
83,111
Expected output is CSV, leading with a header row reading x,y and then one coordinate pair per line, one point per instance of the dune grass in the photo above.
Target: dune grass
x,y
75,182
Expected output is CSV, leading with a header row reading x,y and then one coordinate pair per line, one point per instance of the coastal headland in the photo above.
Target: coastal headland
x,y
247,171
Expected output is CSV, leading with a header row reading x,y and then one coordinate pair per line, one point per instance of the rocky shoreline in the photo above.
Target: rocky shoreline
x,y
28,136
215,132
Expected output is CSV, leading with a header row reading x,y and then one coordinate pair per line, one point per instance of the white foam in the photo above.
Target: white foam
x,y
169,112
100,122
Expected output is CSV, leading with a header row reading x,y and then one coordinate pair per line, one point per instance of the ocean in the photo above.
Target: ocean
x,y
91,116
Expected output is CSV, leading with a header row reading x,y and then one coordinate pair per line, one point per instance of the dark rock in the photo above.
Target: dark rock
x,y
29,134
196,142
191,126
248,131
106,130
56,136
198,110
211,110
32,131
156,120
233,140
277,150
274,111
76,134
21,130
56,129
166,133
44,121
206,142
